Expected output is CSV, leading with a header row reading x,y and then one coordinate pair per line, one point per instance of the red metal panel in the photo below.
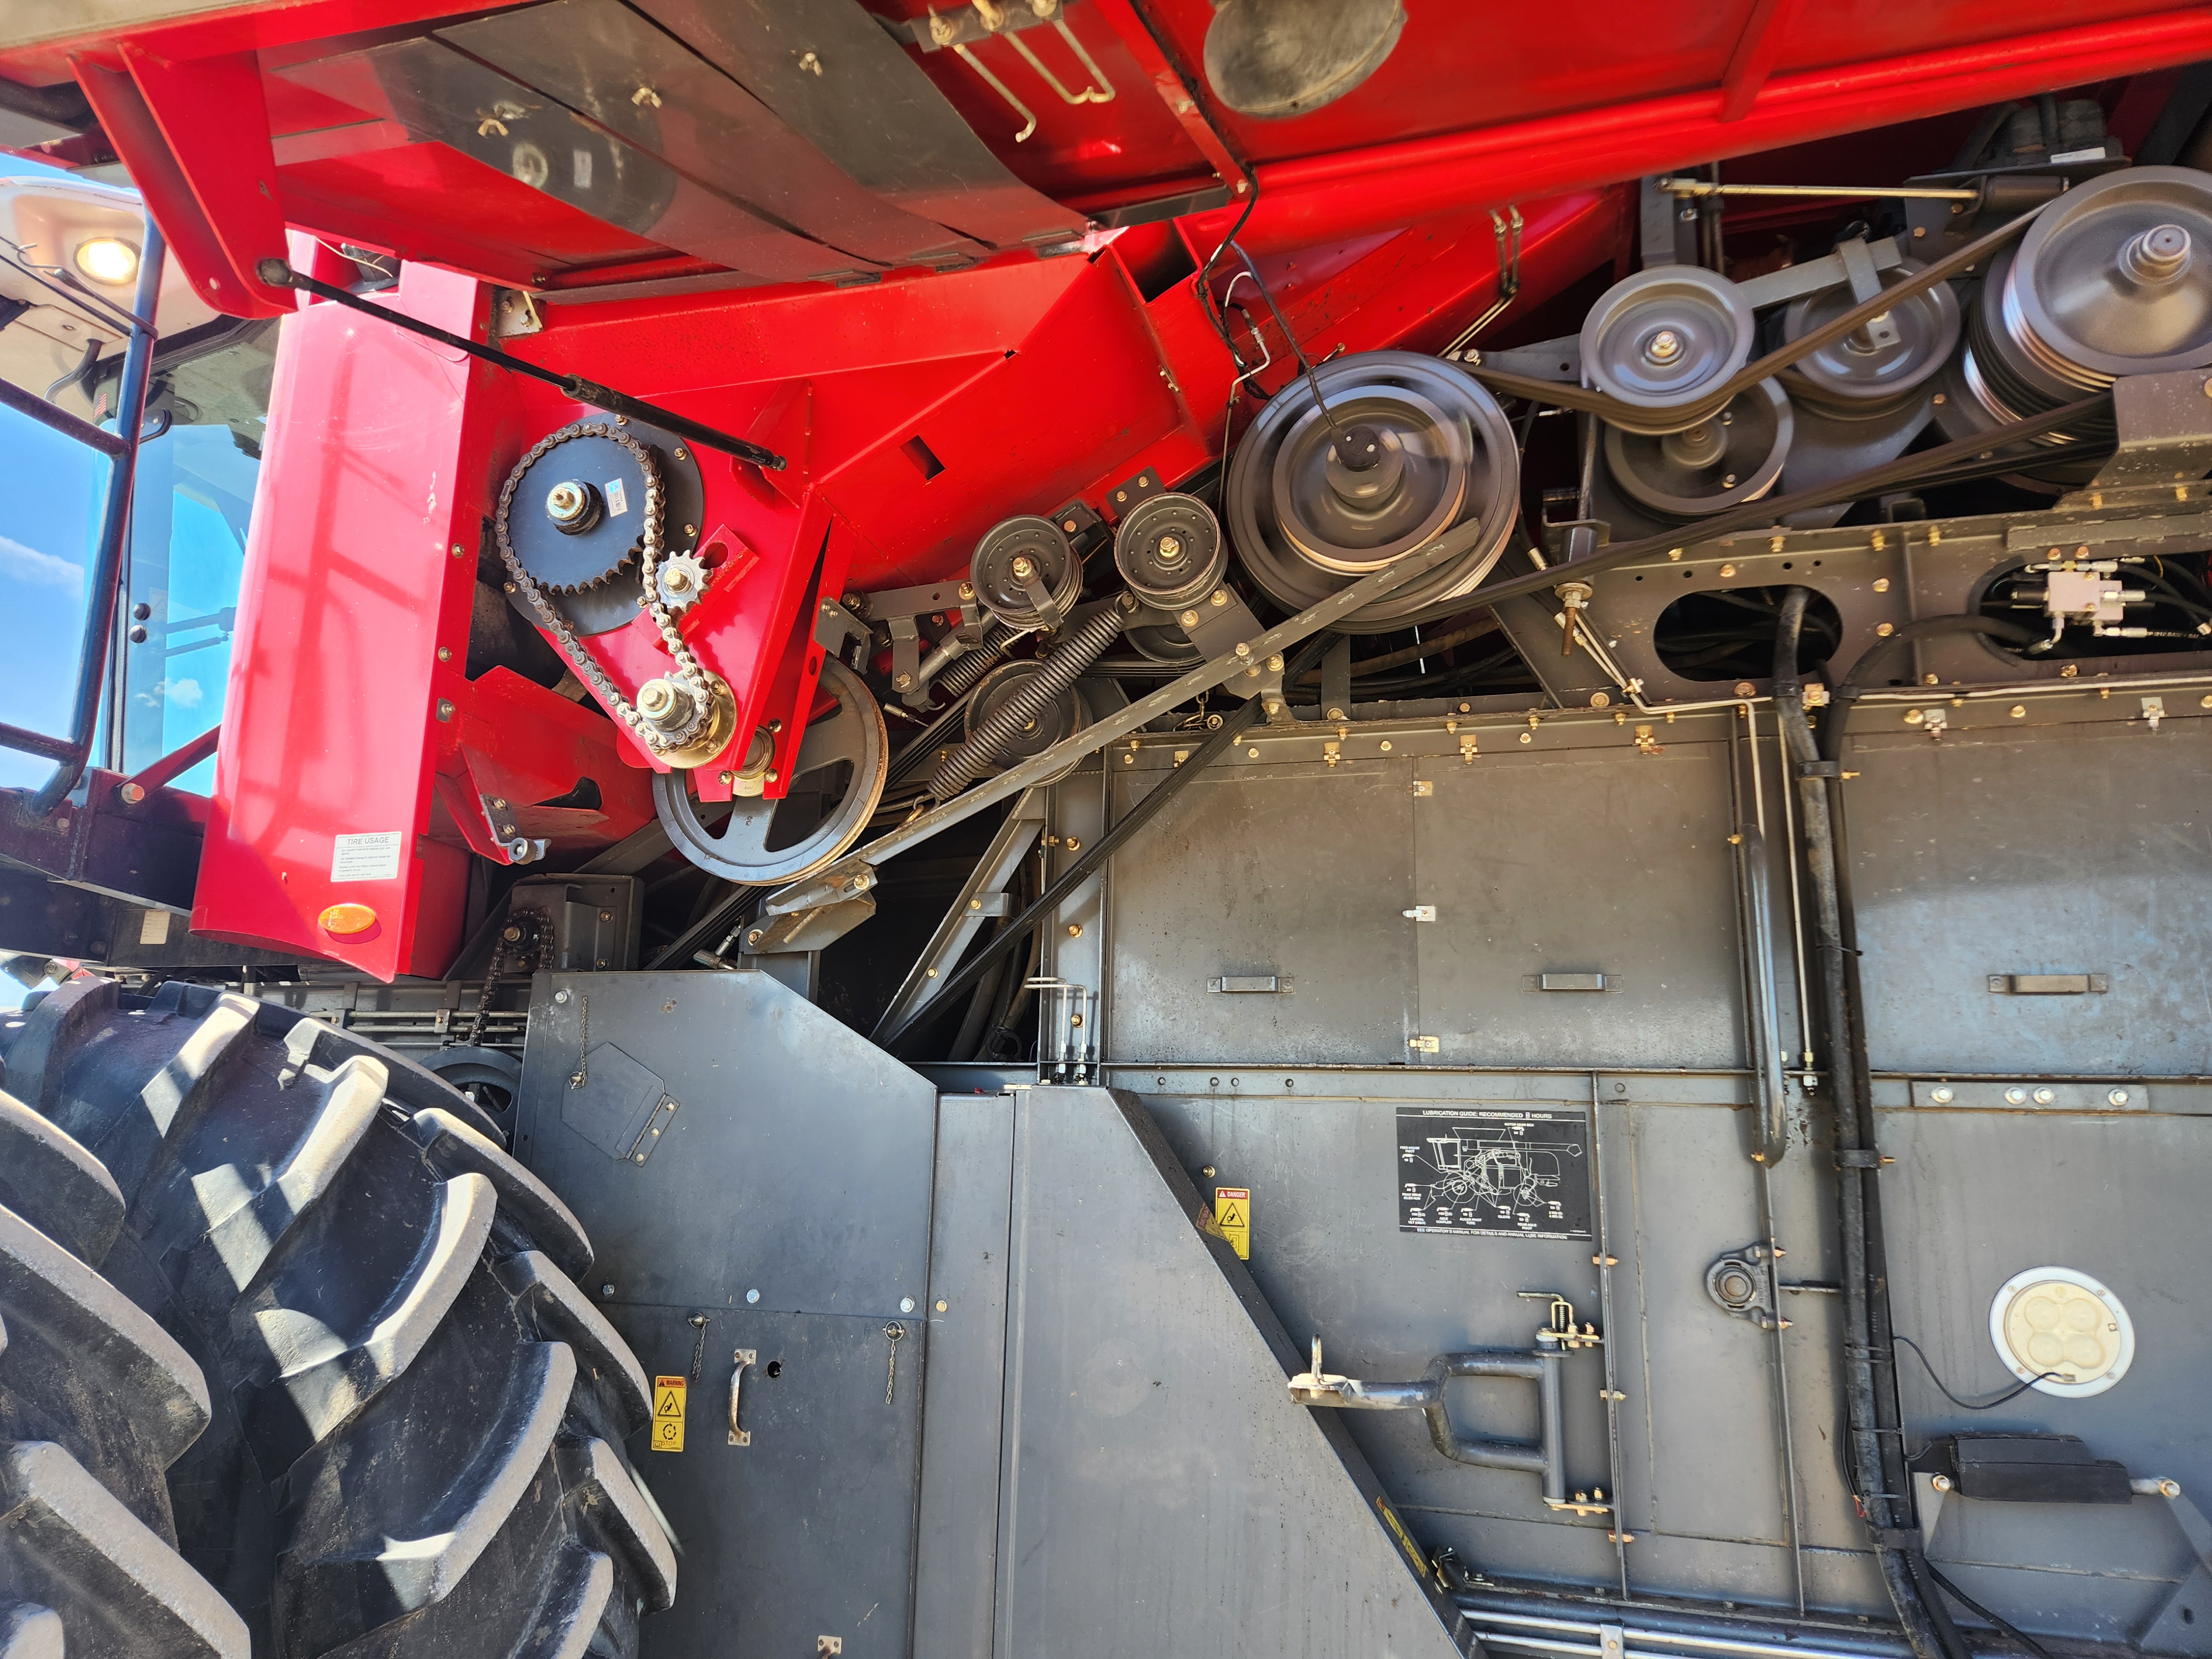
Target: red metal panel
x,y
213,120
1320,199
371,476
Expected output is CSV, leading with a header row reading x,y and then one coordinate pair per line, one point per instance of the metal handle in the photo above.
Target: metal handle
x,y
743,1357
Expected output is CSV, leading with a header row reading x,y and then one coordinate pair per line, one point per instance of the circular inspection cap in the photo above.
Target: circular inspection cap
x,y
1666,337
2063,1330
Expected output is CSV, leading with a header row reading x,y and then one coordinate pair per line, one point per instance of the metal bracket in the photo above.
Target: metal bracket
x,y
2049,985
1544,1457
980,898
1741,1284
811,929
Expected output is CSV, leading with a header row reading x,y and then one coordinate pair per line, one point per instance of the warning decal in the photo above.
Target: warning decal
x,y
1509,1171
668,1393
1232,1218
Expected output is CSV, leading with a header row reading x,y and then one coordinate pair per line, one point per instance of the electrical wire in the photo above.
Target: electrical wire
x,y
2011,1632
1969,1405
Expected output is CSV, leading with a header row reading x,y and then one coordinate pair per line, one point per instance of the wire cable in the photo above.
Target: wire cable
x,y
2010,1631
1969,1405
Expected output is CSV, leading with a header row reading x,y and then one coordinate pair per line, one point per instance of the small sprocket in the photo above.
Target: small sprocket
x,y
682,579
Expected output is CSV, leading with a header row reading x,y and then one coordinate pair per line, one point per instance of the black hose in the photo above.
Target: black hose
x,y
973,758
1887,1511
1872,670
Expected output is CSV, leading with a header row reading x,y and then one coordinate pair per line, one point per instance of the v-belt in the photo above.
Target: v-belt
x,y
277,274
1968,457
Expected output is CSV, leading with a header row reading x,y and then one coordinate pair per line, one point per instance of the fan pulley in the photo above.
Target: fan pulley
x,y
1408,448
836,780
1857,376
1723,461
1665,337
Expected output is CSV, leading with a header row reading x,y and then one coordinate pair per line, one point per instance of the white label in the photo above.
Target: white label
x,y
154,927
583,161
2066,155
617,498
366,858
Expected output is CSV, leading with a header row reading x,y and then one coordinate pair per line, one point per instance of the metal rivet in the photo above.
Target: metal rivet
x,y
2118,1097
940,1304
1942,1097
2045,1097
752,1296
560,996
2016,1096
906,1304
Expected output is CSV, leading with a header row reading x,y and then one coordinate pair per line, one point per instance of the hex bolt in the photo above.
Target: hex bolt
x,y
1664,347
607,1289
1025,566
1188,619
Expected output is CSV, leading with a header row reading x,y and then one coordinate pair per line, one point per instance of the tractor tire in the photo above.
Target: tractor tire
x,y
339,1319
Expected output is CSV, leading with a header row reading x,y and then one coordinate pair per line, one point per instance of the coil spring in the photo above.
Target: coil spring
x,y
1061,670
971,664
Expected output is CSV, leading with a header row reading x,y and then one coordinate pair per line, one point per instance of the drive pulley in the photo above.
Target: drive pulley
x,y
1397,449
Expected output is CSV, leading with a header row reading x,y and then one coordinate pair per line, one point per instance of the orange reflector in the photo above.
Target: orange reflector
x,y
348,919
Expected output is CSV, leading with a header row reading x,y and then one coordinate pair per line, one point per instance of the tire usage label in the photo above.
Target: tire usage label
x,y
1494,1172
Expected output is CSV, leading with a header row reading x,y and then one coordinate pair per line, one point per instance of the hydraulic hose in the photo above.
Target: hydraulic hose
x,y
1065,665
1870,670
1877,1473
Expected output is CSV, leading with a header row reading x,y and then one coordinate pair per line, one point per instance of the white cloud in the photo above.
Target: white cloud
x,y
42,569
186,694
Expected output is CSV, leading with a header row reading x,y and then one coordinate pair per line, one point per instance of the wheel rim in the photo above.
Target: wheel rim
x,y
836,782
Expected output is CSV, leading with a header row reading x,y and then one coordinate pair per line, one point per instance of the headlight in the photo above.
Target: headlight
x,y
107,259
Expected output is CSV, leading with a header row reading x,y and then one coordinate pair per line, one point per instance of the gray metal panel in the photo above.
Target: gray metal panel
x,y
1976,1197
2082,849
1594,862
798,1163
956,1563
868,107
1297,871
594,55
1163,1494
435,92
809,1531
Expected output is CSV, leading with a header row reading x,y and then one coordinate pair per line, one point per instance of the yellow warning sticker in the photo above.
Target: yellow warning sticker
x,y
1232,1218
668,1393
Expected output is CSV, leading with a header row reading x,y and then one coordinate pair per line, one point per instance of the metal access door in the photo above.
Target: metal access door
x,y
757,1179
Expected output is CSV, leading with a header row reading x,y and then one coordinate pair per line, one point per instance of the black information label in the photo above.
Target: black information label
x,y
1494,1171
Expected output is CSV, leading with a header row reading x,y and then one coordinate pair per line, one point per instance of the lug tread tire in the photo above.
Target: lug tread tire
x,y
416,1433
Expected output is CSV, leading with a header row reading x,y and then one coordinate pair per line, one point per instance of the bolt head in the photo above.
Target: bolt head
x,y
1170,548
560,996
131,793
1075,930
1220,598
2117,1098
1188,619
678,581
906,1304
2045,1097
1664,347
1942,1096
1025,566
656,699
566,502
752,1296
607,1289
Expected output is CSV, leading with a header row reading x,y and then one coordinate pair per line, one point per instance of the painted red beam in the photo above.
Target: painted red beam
x,y
1328,198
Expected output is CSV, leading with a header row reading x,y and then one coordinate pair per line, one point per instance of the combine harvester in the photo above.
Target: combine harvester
x,y
1108,827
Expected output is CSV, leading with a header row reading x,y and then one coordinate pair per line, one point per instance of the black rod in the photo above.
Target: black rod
x,y
277,274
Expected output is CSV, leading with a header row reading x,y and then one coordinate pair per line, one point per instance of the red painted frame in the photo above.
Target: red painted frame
x,y
1032,381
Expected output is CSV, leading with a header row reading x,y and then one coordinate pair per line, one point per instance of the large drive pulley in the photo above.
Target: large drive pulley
x,y
836,782
1406,448
2114,278
1063,717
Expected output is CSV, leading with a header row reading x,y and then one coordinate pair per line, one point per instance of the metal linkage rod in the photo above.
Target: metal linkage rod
x,y
277,274
1909,192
